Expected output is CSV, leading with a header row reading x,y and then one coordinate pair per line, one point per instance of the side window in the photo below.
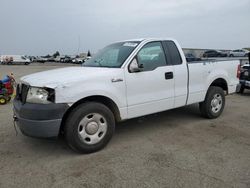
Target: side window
x,y
172,53
151,56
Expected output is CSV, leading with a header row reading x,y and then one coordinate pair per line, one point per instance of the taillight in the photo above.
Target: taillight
x,y
238,71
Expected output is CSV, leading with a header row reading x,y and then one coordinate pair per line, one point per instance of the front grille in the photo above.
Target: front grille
x,y
18,92
21,92
24,92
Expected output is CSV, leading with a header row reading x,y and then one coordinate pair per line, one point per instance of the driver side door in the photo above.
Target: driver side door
x,y
151,89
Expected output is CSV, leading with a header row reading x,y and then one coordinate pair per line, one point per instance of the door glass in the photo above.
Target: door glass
x,y
151,56
173,52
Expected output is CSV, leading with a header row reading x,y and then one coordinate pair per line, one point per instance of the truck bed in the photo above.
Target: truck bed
x,y
242,60
201,77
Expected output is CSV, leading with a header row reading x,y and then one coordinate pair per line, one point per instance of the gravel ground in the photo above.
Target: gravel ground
x,y
176,148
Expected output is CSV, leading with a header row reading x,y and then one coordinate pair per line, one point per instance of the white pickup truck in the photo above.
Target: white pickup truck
x,y
124,80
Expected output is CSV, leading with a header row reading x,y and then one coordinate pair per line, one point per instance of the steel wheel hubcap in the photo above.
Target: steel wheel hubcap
x,y
216,103
92,128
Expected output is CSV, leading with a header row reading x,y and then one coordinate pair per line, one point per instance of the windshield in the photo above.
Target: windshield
x,y
112,56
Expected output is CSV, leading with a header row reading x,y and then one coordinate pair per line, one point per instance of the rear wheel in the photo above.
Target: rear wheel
x,y
214,103
89,127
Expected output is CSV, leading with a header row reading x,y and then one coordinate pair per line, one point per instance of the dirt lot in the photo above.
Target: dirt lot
x,y
176,148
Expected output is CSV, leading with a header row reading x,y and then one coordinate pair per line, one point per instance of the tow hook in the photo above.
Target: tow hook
x,y
15,119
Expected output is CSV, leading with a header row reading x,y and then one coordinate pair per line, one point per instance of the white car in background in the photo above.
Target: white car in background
x,y
78,60
238,53
15,59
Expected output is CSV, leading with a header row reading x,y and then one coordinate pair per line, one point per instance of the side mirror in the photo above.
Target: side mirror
x,y
134,66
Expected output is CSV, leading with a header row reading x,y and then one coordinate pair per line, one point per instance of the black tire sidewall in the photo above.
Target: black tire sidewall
x,y
206,108
71,128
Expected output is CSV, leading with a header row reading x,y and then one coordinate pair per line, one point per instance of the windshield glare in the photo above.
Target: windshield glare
x,y
112,56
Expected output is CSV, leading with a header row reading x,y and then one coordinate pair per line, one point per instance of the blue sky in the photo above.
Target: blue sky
x,y
40,27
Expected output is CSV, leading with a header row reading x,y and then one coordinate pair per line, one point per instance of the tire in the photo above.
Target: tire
x,y
231,55
214,103
89,127
2,100
242,89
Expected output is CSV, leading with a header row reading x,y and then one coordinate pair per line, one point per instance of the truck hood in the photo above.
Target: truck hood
x,y
64,76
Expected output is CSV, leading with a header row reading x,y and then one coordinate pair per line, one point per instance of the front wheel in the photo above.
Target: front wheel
x,y
3,100
214,103
89,127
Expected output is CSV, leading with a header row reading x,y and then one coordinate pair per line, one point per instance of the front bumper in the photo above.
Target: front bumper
x,y
39,120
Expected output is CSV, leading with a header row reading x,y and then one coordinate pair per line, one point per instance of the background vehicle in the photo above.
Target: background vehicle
x,y
15,59
214,53
238,53
51,59
67,60
190,57
244,79
78,60
40,59
124,80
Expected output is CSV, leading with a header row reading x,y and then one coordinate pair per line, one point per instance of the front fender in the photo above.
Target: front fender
x,y
71,94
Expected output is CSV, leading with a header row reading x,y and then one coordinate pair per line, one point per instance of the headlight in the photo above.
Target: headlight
x,y
40,95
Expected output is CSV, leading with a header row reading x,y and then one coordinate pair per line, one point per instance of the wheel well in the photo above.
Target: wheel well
x,y
101,99
220,82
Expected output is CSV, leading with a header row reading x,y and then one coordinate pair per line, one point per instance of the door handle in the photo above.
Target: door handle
x,y
169,75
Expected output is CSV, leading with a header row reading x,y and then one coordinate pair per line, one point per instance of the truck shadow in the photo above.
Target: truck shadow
x,y
167,119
